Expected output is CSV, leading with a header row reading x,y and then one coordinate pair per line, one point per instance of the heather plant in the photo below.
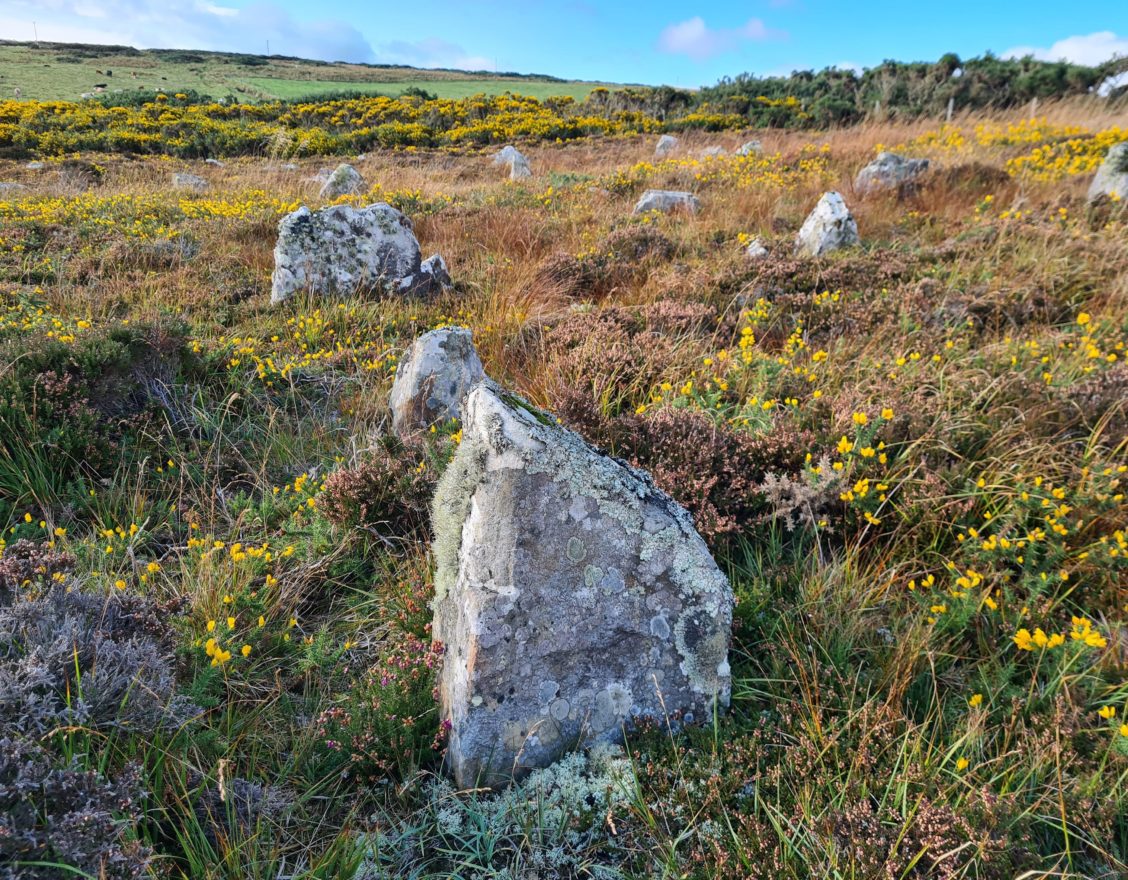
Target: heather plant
x,y
59,821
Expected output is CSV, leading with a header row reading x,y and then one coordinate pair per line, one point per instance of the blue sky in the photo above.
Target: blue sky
x,y
679,42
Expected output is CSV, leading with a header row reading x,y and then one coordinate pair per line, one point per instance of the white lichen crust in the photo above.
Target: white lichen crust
x,y
573,597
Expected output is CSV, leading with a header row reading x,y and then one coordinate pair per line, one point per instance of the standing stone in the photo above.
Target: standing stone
x,y
666,145
887,171
666,201
343,181
827,228
573,598
751,148
1112,177
183,180
713,152
519,168
433,379
340,250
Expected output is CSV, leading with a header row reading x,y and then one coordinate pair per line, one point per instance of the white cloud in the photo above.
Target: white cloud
x,y
696,39
1089,49
432,52
212,24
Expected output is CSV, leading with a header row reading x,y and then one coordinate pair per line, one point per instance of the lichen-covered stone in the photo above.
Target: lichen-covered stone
x,y
666,145
343,181
184,180
756,250
828,227
750,148
712,152
340,250
666,200
433,378
1112,177
888,171
573,597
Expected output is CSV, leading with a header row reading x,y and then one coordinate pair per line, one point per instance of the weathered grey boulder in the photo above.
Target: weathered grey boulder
x,y
35,165
713,152
887,171
506,155
433,272
573,597
519,168
666,201
750,148
341,249
666,145
214,162
343,181
433,378
828,227
1112,177
756,250
184,180
11,189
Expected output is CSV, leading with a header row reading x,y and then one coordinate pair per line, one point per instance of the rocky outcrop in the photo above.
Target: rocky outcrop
x,y
828,227
342,250
889,171
666,201
666,145
573,597
344,180
433,378
1112,177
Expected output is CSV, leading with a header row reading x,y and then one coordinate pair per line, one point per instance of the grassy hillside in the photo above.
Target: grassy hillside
x,y
908,456
53,71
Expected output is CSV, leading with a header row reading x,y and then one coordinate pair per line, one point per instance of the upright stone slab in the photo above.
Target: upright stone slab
x,y
828,227
665,200
433,378
573,597
343,181
519,168
888,171
1112,177
666,145
341,249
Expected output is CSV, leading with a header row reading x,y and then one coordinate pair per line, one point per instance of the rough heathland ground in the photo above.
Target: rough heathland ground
x,y
908,458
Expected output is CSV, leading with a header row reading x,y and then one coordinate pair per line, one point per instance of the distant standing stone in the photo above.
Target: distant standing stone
x,y
750,148
214,162
756,250
828,227
573,597
519,168
341,250
713,152
666,201
1112,177
666,145
433,378
887,171
343,181
184,180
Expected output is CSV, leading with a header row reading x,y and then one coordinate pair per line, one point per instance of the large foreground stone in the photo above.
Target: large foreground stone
x,y
828,227
339,250
573,597
666,200
433,378
888,171
1112,177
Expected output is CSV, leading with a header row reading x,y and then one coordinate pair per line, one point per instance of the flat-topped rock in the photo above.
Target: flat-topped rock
x,y
341,250
573,597
666,201
889,171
